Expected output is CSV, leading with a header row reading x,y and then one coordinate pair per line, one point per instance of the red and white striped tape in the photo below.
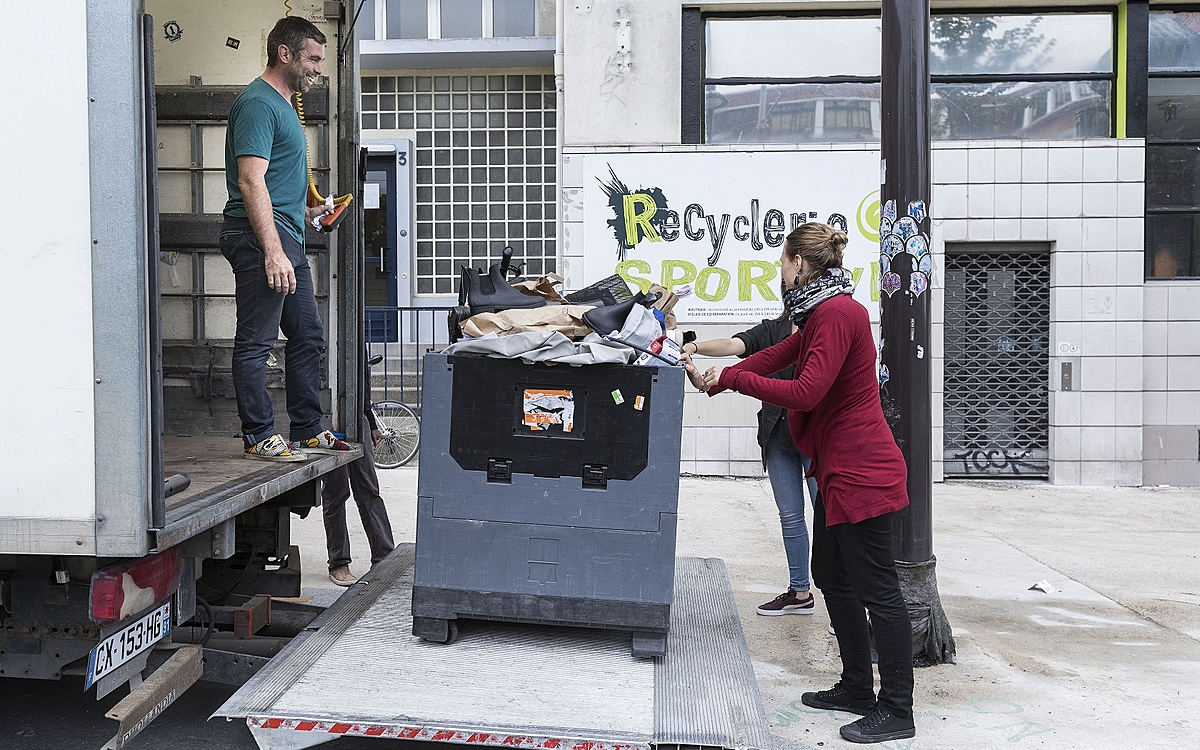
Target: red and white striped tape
x,y
430,734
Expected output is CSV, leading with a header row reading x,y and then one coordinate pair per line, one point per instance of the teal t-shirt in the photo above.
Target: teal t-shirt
x,y
263,123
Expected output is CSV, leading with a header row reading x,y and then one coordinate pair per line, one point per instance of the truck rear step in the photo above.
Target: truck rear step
x,y
358,671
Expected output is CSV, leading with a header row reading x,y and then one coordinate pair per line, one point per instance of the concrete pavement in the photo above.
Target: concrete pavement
x,y
1109,659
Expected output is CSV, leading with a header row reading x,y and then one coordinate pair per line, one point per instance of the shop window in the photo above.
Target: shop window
x,y
1002,76
1173,146
446,19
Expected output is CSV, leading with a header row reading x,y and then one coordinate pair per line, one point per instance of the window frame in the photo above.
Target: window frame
x,y
1153,142
433,16
694,63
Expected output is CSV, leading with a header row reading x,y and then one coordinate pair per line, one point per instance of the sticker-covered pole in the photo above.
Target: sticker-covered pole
x,y
906,273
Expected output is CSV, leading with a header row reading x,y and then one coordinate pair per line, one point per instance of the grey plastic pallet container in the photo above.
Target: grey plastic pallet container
x,y
547,494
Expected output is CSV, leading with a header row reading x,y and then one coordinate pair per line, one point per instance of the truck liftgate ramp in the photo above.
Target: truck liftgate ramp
x,y
359,671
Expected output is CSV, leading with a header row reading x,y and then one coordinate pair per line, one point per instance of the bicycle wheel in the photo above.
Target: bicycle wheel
x,y
401,430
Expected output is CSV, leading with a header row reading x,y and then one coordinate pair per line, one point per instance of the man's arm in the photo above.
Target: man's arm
x,y
252,171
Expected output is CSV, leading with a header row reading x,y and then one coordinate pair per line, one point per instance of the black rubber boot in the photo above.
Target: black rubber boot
x,y
488,293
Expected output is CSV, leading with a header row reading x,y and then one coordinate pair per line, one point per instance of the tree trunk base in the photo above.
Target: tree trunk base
x,y
933,641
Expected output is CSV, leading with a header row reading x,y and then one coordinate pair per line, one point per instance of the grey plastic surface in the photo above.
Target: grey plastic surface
x,y
362,674
547,550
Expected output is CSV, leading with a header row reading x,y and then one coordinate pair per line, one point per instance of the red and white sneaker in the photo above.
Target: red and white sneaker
x,y
322,442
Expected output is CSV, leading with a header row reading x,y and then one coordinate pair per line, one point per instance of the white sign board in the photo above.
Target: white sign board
x,y
717,221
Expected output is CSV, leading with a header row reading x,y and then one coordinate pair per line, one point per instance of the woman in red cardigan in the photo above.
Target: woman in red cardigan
x,y
836,418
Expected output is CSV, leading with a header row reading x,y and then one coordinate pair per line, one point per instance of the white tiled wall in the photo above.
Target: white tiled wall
x,y
1171,383
1084,197
1136,345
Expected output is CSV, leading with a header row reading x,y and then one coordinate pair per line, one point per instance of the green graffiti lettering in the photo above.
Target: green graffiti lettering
x,y
874,281
625,269
855,275
760,281
670,279
723,279
639,217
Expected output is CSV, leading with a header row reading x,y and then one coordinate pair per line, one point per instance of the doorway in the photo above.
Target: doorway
x,y
387,207
997,332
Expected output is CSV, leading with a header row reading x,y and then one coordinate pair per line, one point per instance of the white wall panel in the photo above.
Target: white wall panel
x,y
46,371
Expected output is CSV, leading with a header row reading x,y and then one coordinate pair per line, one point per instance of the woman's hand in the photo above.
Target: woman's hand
x,y
693,374
712,376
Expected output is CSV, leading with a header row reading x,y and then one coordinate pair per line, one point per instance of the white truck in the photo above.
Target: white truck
x,y
126,505
125,496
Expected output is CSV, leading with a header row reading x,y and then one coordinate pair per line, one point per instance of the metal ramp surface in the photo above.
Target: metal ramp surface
x,y
359,671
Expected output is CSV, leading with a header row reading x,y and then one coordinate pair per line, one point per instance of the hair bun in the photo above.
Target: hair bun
x,y
838,239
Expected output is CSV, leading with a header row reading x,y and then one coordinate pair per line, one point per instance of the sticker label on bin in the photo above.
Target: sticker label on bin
x,y
547,409
618,399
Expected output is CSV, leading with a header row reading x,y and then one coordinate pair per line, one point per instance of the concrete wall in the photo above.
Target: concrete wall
x,y
618,95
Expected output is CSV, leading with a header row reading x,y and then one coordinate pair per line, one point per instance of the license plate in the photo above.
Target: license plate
x,y
130,641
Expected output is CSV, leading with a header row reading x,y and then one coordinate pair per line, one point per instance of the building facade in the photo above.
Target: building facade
x,y
678,143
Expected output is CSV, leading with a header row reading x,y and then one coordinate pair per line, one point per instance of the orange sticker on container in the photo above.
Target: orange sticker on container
x,y
546,408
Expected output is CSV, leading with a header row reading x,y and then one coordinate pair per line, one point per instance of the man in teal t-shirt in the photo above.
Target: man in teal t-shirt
x,y
266,171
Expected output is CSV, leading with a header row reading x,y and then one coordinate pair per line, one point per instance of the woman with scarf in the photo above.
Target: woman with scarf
x,y
786,466
836,418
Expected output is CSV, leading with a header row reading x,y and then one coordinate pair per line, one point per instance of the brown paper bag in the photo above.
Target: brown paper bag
x,y
666,303
566,319
542,287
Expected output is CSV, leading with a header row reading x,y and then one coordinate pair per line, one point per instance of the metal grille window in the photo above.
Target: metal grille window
x,y
993,76
485,167
997,332
1173,147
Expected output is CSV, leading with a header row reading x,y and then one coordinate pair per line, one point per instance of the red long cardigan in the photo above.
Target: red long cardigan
x,y
834,410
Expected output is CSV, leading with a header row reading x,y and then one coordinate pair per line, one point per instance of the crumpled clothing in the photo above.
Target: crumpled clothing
x,y
546,346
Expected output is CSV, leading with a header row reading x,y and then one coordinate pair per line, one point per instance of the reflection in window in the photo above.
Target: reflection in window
x,y
1174,42
792,113
1042,110
1173,147
764,87
999,45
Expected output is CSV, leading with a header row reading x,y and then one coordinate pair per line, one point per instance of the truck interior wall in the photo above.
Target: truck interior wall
x,y
204,54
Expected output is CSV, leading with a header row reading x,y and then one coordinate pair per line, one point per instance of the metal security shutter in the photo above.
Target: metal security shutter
x,y
997,360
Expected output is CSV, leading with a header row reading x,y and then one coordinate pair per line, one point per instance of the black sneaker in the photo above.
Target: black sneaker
x,y
790,602
879,726
838,698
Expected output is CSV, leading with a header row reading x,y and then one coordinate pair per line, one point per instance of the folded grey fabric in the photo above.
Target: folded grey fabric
x,y
546,346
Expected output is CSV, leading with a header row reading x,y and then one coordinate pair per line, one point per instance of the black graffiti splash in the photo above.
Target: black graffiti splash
x,y
616,190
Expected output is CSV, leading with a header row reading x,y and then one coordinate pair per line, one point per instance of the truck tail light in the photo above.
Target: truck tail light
x,y
125,589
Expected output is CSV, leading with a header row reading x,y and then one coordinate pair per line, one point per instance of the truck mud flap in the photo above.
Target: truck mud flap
x,y
146,702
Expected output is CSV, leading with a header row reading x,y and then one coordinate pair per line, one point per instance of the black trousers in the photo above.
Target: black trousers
x,y
853,566
361,477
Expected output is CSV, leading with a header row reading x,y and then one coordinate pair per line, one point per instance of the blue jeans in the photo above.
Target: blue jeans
x,y
261,313
786,471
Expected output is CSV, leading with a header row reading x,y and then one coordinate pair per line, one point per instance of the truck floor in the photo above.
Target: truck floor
x,y
225,484
359,671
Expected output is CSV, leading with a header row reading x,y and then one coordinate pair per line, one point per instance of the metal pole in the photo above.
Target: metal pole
x,y
906,266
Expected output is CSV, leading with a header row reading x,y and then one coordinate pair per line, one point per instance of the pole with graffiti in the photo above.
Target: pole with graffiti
x,y
906,270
